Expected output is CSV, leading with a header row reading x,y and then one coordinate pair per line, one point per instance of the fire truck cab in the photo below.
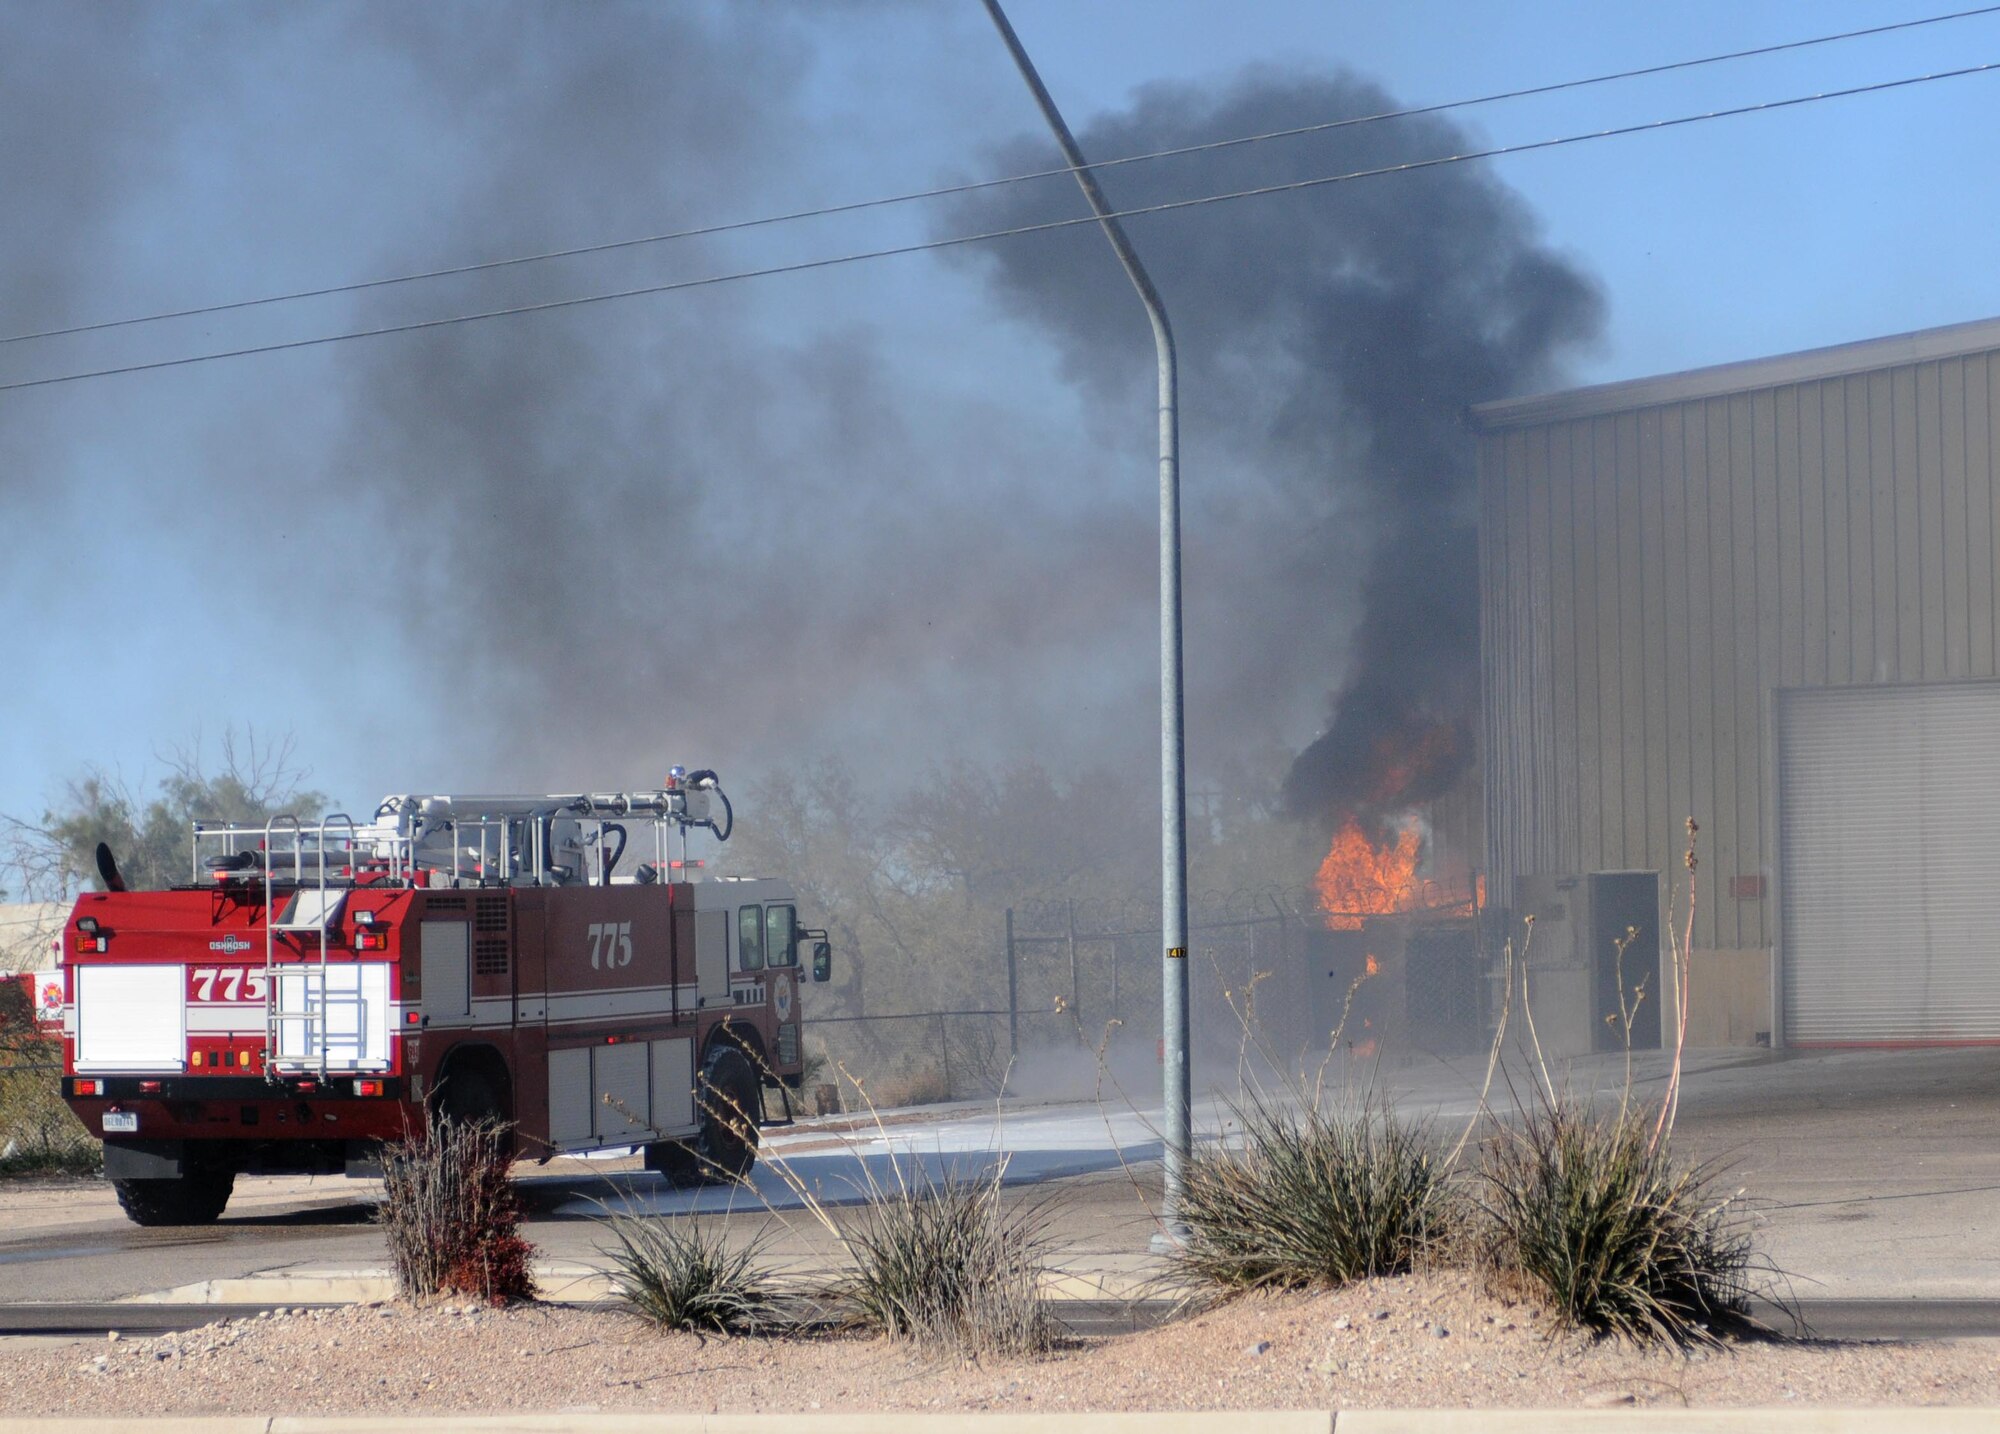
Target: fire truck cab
x,y
553,962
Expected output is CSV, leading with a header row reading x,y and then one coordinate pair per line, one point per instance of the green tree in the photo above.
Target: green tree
x,y
57,856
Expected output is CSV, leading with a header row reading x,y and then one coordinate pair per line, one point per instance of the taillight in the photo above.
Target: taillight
x,y
149,1087
90,1087
368,1087
371,941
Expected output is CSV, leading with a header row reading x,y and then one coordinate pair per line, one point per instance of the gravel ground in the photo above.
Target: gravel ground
x,y
1423,1342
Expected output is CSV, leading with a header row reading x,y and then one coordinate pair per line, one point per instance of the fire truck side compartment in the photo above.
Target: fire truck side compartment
x,y
621,1085
130,1018
569,1097
673,1083
711,956
446,975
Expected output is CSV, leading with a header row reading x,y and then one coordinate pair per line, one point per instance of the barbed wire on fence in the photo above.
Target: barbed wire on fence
x,y
1091,964
1100,917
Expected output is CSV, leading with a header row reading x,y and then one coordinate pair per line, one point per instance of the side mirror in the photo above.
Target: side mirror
x,y
822,961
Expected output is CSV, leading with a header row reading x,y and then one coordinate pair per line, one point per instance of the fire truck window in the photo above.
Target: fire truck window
x,y
778,935
750,938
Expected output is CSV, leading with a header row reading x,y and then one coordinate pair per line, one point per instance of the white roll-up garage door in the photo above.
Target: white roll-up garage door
x,y
1889,833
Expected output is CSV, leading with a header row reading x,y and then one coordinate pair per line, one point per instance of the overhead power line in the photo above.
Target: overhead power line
x,y
1016,231
974,186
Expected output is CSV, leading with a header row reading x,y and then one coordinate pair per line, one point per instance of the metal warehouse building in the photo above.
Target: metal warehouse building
x,y
1761,595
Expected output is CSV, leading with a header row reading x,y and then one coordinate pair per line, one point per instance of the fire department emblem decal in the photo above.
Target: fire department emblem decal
x,y
781,997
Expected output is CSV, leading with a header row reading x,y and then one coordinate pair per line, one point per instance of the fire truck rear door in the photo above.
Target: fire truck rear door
x,y
701,955
711,957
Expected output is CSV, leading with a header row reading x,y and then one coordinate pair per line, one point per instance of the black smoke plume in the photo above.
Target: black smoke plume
x,y
1331,339
725,526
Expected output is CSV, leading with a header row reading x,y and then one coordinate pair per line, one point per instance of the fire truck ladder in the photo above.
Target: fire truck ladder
x,y
311,908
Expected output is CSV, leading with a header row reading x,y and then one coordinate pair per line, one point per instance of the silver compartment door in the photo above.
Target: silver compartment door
x,y
622,1099
445,972
711,956
131,1018
673,1086
569,1099
357,1017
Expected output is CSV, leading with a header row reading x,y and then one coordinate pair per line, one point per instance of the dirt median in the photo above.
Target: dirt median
x,y
1431,1341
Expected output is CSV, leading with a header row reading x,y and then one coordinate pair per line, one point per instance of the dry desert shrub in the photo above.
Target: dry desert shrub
x,y
682,1274
452,1215
1597,1217
1314,1197
940,1261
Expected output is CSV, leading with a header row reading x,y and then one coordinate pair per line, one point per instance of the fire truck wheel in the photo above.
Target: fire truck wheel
x,y
196,1198
677,1160
466,1096
730,1103
468,1093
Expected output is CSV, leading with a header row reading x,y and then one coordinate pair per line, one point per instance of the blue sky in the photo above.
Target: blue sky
x,y
896,525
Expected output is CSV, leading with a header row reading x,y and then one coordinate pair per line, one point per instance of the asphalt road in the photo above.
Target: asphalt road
x,y
1819,1319
1875,1177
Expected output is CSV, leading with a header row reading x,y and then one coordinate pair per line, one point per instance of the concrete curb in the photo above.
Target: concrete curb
x,y
1219,1422
1234,1421
1790,1420
561,1283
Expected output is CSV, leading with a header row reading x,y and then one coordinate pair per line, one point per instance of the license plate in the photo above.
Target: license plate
x,y
126,1120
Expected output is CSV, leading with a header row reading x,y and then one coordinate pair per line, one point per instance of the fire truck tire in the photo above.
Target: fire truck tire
x,y
730,1101
469,1092
677,1160
466,1094
196,1198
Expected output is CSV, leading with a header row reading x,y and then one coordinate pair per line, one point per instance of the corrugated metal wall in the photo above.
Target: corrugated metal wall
x,y
1650,577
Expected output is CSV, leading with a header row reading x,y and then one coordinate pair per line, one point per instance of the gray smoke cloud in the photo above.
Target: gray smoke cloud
x,y
75,138
692,527
652,529
1331,341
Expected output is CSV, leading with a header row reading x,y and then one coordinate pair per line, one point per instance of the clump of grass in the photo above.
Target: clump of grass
x,y
1592,1212
1314,1198
939,1261
39,1135
452,1214
682,1274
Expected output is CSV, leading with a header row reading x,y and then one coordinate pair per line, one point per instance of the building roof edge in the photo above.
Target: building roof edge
x,y
1951,341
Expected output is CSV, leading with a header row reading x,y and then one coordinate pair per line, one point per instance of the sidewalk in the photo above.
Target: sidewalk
x,y
1365,1421
1133,1277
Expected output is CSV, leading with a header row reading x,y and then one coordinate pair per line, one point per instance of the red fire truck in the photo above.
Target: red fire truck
x,y
315,990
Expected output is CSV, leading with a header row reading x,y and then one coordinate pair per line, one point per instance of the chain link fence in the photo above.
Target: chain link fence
x,y
38,1134
1269,973
921,1057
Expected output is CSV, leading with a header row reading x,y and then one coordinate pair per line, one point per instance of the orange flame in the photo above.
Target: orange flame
x,y
1357,879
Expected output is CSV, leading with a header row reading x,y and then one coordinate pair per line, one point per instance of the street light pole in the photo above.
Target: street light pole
x,y
1173,774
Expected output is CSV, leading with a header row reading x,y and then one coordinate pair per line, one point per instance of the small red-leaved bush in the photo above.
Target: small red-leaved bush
x,y
452,1216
